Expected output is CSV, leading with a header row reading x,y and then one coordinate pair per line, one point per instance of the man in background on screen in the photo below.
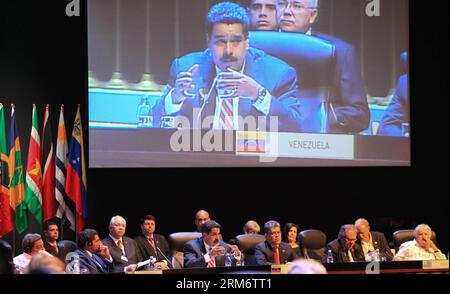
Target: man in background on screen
x,y
230,84
345,248
349,110
421,248
263,15
371,241
395,121
272,250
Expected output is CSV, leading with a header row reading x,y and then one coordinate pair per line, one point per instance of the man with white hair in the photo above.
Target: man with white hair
x,y
345,248
371,241
349,110
123,250
421,248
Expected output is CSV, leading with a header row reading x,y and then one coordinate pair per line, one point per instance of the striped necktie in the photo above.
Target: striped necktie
x,y
226,114
212,260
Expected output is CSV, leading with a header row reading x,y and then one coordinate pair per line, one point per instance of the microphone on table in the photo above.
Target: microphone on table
x,y
165,257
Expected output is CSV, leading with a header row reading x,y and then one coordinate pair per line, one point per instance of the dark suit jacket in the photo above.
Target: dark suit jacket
x,y
264,253
348,96
397,112
340,253
146,250
194,252
379,242
273,74
94,264
131,252
49,248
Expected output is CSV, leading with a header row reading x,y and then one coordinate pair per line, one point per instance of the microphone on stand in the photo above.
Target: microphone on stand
x,y
165,257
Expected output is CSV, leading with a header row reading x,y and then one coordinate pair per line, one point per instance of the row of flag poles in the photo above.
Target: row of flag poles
x,y
54,184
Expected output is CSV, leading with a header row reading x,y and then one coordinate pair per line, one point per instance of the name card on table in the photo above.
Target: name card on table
x,y
435,264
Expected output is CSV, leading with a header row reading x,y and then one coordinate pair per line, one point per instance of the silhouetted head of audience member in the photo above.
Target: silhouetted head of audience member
x,y
348,235
211,233
117,226
51,231
296,15
45,263
307,266
251,227
263,15
272,231
201,217
32,244
6,258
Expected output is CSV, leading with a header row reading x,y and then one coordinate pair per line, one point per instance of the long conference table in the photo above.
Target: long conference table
x,y
359,268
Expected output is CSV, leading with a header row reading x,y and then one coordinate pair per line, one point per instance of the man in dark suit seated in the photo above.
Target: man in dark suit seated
x,y
94,257
370,241
395,121
231,86
124,250
349,110
273,251
151,244
208,250
345,248
51,235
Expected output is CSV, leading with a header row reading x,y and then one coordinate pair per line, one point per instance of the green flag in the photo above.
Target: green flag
x,y
33,191
16,182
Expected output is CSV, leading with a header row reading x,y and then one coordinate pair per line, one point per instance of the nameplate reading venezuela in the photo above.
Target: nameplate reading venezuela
x,y
318,146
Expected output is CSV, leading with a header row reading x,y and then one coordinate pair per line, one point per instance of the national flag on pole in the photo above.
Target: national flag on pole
x,y
16,182
48,175
33,191
6,212
62,150
76,173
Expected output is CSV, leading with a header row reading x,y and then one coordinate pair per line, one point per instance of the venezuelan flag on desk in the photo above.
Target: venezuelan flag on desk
x,y
76,173
251,142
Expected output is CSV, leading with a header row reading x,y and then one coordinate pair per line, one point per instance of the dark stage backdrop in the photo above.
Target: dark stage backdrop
x,y
43,59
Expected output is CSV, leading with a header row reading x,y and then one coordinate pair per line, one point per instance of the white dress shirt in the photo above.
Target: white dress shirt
x,y
412,251
21,262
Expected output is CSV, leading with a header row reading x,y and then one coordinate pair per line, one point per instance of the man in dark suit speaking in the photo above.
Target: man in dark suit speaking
x,y
230,83
208,250
349,111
